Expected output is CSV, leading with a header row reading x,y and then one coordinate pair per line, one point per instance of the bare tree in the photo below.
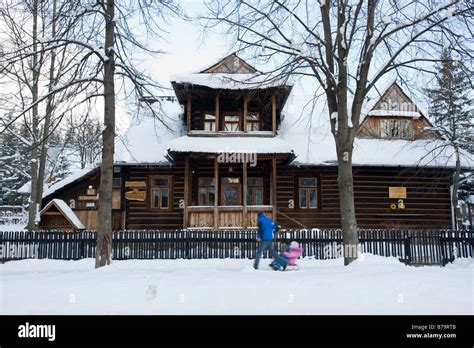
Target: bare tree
x,y
347,47
34,70
103,36
83,136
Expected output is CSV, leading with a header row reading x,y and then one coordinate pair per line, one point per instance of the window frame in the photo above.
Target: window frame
x,y
394,125
232,113
251,122
400,125
307,189
410,132
153,188
238,185
203,119
207,187
253,188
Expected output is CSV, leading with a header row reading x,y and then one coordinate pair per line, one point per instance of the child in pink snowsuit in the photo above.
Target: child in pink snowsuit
x,y
290,256
293,253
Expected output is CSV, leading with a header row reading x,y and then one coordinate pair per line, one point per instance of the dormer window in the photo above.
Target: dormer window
x,y
209,121
232,121
395,128
253,121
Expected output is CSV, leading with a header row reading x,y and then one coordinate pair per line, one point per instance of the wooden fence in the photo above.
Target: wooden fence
x,y
414,247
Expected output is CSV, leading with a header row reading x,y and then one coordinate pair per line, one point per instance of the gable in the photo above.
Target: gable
x,y
396,107
231,64
395,100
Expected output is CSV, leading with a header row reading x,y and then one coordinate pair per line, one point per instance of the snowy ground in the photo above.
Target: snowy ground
x,y
372,285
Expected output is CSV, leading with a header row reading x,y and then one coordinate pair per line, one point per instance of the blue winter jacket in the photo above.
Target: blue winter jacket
x,y
265,227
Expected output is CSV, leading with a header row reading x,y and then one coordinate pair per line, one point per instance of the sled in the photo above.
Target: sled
x,y
288,267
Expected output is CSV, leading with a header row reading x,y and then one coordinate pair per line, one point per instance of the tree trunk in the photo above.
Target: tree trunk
x,y
47,117
104,231
454,197
346,200
33,207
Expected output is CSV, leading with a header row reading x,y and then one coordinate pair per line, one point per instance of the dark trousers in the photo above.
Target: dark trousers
x,y
264,245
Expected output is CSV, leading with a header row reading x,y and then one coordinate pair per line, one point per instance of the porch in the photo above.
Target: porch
x,y
226,216
218,194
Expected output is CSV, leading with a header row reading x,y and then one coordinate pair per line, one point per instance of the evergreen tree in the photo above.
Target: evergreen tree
x,y
450,108
14,164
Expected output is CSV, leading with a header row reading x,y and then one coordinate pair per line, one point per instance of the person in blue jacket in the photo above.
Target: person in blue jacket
x,y
266,227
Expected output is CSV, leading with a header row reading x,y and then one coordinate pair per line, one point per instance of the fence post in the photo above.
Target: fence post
x,y
407,249
444,260
186,236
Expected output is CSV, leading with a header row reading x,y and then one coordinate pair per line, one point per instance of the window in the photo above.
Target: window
x,y
206,193
253,121
209,121
160,191
308,192
231,192
395,128
254,191
406,129
231,121
384,129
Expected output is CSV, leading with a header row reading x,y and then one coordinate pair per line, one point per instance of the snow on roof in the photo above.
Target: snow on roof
x,y
25,189
306,127
230,81
67,212
304,130
146,139
413,114
229,145
76,175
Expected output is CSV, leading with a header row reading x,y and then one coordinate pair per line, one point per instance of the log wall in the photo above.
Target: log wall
x,y
427,204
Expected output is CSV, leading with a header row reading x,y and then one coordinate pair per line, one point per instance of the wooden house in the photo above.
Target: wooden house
x,y
231,148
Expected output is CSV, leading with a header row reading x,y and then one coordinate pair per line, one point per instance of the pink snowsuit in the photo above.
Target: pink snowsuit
x,y
292,255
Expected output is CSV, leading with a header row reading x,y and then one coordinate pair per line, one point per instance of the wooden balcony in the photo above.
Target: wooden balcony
x,y
227,216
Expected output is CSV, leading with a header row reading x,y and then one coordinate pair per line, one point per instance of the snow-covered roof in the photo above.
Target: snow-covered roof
x,y
76,175
230,81
66,211
230,145
25,189
307,129
146,140
304,130
232,73
413,114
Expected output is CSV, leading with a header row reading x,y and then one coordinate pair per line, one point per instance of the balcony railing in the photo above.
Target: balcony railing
x,y
227,216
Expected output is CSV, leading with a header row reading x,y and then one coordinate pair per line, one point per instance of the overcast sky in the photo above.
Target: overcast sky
x,y
188,47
